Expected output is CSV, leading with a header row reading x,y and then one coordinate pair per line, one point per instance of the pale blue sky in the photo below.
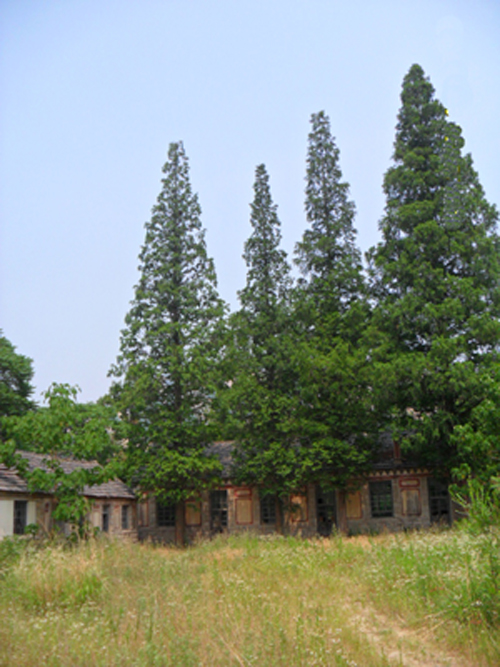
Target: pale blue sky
x,y
92,92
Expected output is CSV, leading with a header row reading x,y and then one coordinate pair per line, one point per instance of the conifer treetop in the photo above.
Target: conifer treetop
x,y
327,255
268,271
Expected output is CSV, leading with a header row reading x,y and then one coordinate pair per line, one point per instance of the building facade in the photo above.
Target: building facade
x,y
394,496
113,506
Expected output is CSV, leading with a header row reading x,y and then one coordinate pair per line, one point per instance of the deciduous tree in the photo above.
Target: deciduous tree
x,y
16,375
60,430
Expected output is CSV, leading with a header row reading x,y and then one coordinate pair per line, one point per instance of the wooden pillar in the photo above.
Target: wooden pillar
x,y
279,516
180,524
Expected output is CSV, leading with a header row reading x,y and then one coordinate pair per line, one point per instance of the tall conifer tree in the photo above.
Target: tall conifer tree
x,y
261,396
169,347
435,276
334,417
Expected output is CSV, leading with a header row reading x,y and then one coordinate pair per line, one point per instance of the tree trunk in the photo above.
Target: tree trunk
x,y
180,524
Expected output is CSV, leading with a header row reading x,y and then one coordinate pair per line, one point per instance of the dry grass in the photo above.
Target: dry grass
x,y
242,601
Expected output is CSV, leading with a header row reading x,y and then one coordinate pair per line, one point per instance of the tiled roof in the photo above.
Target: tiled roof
x,y
11,482
384,459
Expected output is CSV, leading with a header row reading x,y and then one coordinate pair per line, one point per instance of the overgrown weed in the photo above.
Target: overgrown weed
x,y
239,600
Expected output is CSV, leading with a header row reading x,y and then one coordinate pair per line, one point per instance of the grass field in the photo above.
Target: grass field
x,y
415,600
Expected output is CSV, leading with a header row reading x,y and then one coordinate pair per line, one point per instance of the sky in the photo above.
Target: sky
x,y
93,91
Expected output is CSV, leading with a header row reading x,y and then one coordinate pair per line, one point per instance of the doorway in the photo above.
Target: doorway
x,y
326,511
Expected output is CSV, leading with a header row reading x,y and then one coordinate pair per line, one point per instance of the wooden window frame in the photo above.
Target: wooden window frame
x,y
125,517
165,515
20,517
377,510
106,517
268,504
219,515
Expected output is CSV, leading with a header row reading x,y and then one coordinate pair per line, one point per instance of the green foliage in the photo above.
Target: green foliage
x,y
435,279
323,602
54,578
170,347
16,374
477,442
481,502
259,401
67,428
11,550
335,411
64,429
327,255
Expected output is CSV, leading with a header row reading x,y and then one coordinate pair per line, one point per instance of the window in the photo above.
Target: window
x,y
105,518
381,499
218,510
268,508
165,515
144,514
439,501
20,515
125,517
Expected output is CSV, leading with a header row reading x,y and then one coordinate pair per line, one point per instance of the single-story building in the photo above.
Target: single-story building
x,y
113,506
397,494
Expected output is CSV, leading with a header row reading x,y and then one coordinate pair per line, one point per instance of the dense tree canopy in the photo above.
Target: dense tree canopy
x,y
16,375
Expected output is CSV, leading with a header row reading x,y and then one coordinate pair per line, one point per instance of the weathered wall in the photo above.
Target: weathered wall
x,y
115,505
243,516
410,502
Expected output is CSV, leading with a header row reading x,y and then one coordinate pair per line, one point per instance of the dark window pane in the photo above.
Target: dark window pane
x,y
381,499
20,515
268,509
165,515
105,518
218,510
439,501
326,511
125,517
